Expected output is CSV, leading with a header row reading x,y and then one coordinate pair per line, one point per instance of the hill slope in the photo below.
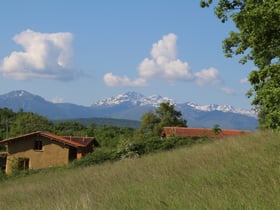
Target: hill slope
x,y
237,173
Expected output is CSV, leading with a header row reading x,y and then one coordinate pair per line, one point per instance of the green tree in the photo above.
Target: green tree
x,y
149,122
70,128
165,115
257,40
26,122
216,129
169,116
110,136
6,117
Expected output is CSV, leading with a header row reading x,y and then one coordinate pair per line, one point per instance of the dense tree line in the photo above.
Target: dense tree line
x,y
257,40
19,123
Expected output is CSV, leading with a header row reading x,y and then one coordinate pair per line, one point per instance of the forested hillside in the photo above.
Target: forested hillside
x,y
19,123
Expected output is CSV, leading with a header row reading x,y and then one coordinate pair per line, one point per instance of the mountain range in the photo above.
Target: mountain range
x,y
132,106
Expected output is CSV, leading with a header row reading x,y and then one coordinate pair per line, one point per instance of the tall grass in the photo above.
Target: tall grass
x,y
235,173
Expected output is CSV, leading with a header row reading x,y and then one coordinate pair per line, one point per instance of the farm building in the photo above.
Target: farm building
x,y
200,132
43,149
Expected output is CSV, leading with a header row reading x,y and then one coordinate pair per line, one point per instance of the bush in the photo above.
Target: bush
x,y
98,156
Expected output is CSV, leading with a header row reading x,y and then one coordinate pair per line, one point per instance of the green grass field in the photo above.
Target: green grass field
x,y
236,173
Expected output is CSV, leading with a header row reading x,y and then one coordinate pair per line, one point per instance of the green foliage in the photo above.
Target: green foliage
x,y
257,40
101,121
26,122
216,129
100,155
266,93
169,116
70,128
165,115
6,117
149,122
127,149
110,136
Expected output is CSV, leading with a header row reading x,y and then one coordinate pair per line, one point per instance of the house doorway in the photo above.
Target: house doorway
x,y
3,160
72,153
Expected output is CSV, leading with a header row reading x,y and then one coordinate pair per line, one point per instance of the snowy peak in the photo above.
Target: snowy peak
x,y
133,98
211,107
17,94
222,108
137,99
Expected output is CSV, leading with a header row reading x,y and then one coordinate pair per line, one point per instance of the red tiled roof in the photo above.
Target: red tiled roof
x,y
79,139
200,132
75,142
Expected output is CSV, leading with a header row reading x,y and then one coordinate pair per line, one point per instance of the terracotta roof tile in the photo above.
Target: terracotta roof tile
x,y
75,141
200,132
79,139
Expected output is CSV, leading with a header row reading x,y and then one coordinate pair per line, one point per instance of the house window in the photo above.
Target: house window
x,y
23,164
38,145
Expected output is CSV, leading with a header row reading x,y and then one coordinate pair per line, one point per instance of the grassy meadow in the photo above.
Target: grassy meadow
x,y
235,173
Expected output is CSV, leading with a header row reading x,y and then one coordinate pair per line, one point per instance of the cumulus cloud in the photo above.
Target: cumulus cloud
x,y
207,76
113,81
44,55
165,65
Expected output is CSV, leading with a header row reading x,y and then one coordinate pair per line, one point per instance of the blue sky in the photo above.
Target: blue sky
x,y
84,51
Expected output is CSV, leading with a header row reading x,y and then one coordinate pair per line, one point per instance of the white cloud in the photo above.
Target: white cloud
x,y
244,81
207,76
114,81
45,55
164,64
228,91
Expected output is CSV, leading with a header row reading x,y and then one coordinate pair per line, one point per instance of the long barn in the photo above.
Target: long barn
x,y
200,132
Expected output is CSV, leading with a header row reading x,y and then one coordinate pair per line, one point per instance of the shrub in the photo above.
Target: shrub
x,y
100,155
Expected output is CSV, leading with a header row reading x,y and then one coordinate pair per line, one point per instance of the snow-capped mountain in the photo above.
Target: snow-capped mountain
x,y
222,108
134,98
132,106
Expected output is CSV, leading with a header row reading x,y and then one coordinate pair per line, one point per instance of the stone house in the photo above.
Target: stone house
x,y
39,150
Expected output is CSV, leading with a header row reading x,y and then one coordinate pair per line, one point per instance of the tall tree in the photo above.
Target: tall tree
x,y
169,116
258,40
165,115
149,121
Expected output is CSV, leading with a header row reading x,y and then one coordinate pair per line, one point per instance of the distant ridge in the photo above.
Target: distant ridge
x,y
131,106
